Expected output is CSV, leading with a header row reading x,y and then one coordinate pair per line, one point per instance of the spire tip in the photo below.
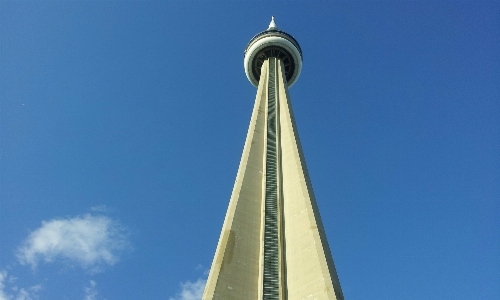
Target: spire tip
x,y
272,25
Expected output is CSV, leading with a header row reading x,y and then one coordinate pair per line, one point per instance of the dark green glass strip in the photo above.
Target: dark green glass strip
x,y
271,284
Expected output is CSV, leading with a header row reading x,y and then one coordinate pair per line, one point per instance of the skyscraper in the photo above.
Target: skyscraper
x,y
272,244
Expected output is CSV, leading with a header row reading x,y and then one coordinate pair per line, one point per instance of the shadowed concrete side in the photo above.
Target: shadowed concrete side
x,y
310,270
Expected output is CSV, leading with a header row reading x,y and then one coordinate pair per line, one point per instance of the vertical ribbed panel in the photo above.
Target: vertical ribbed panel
x,y
271,280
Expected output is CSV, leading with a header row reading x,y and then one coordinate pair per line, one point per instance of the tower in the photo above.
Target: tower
x,y
272,244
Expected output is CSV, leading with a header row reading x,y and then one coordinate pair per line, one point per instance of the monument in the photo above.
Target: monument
x,y
272,244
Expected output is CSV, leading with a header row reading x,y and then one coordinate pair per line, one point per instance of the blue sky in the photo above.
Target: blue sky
x,y
122,124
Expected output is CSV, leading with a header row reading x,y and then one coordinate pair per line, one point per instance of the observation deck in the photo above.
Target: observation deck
x,y
273,43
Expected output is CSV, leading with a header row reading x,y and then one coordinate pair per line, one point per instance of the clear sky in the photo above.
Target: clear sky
x,y
122,126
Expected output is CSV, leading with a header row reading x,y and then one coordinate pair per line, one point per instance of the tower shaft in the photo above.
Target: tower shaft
x,y
272,244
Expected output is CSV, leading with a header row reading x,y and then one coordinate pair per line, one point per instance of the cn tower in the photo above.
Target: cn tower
x,y
272,244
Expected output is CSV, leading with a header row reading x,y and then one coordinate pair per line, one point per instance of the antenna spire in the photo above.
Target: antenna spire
x,y
272,25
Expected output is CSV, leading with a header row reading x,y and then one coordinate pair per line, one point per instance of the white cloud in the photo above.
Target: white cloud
x,y
90,291
90,241
191,290
100,208
17,293
23,295
3,294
